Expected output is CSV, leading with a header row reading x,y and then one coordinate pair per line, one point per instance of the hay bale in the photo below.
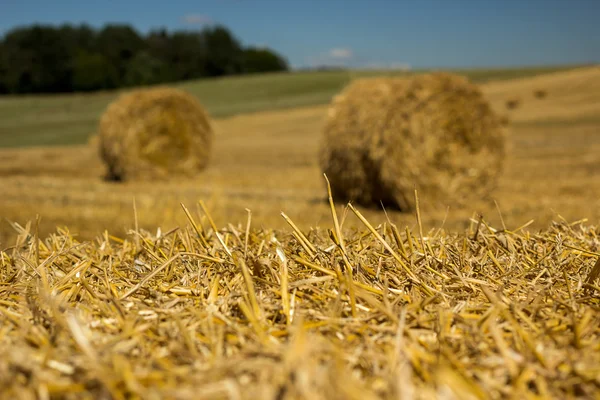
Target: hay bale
x,y
156,132
435,132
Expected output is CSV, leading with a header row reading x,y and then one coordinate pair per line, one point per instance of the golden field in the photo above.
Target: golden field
x,y
267,162
230,299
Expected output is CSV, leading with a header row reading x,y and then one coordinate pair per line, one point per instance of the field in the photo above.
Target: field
x,y
266,161
231,299
59,120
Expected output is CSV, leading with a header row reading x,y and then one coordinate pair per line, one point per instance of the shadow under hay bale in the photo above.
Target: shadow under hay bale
x,y
384,137
154,133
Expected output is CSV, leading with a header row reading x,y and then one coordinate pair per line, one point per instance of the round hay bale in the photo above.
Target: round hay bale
x,y
154,133
384,137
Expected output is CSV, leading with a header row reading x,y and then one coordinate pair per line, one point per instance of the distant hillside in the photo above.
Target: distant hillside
x,y
70,119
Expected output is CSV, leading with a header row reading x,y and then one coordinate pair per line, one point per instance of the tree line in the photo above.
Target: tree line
x,y
67,58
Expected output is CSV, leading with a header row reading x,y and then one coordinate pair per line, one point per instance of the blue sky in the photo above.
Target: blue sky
x,y
362,33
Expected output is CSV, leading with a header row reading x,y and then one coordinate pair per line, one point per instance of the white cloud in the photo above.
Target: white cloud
x,y
341,53
196,19
336,57
347,58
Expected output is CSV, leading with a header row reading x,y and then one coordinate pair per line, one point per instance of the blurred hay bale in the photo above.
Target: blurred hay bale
x,y
155,132
384,137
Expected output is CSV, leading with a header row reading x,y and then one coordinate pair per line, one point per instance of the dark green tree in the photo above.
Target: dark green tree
x,y
93,71
262,60
119,44
144,69
41,58
187,55
78,38
37,60
158,44
224,52
3,69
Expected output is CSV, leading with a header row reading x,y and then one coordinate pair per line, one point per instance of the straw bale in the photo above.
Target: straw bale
x,y
154,133
384,137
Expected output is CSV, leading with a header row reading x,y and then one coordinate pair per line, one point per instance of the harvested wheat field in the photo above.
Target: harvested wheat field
x,y
268,162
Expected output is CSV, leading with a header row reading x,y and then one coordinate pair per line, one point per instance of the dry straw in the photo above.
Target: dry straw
x,y
247,313
540,93
435,132
93,140
155,133
513,104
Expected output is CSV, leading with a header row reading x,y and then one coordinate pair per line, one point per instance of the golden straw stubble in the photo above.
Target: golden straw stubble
x,y
386,136
155,132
